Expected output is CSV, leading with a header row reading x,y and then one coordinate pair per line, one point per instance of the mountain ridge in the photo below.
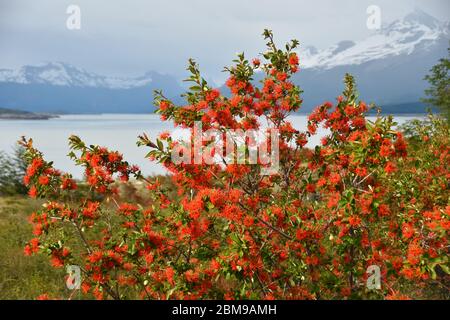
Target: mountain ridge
x,y
389,66
401,36
62,73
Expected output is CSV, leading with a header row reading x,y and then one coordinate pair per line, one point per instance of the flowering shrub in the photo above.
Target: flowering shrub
x,y
310,231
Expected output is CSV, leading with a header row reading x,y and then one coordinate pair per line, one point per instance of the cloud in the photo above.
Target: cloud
x,y
129,39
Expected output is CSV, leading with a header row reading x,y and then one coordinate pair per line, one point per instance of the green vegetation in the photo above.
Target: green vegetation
x,y
438,94
12,171
23,277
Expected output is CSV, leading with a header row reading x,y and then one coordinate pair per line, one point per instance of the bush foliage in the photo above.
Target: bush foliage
x,y
363,197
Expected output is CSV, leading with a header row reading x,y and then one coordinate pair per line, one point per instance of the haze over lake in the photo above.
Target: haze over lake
x,y
115,131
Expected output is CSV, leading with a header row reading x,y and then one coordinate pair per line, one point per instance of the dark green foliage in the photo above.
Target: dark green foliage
x,y
12,171
438,94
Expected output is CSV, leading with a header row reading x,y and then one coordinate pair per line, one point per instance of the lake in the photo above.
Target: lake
x,y
115,131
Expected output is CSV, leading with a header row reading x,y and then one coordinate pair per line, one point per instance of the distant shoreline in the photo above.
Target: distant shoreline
x,y
43,116
9,114
27,117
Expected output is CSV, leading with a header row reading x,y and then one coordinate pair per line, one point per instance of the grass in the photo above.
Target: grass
x,y
23,277
27,277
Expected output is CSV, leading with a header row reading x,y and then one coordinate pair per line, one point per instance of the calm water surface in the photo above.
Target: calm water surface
x,y
115,131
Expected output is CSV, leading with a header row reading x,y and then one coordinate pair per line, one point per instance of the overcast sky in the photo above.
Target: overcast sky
x,y
133,36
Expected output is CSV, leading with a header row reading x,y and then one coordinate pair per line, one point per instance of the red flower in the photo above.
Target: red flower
x,y
212,95
164,135
85,287
35,165
97,293
354,221
95,256
310,187
281,76
37,230
312,128
169,272
397,296
301,234
361,172
65,252
248,221
68,184
359,122
301,140
26,180
149,258
27,250
414,253
128,266
128,209
33,192
383,210
43,297
163,106
56,261
334,200
386,148
191,276
335,178
390,167
400,145
293,59
43,180
114,157
90,210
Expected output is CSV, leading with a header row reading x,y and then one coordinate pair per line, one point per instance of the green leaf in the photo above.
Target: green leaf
x,y
160,144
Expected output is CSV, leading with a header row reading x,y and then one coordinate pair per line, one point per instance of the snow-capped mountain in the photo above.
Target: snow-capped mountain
x,y
61,87
64,74
416,31
389,66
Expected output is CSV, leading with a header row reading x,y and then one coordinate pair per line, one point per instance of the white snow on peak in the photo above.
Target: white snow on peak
x,y
417,30
403,36
63,74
